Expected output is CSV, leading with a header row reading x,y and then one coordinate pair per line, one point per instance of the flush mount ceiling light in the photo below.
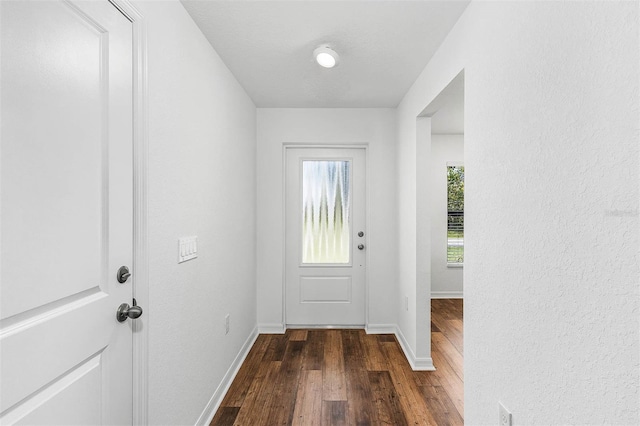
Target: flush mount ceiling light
x,y
326,57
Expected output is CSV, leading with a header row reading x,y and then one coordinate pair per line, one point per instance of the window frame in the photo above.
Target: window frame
x,y
456,164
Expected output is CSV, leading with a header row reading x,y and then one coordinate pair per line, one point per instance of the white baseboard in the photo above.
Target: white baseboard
x,y
446,294
380,328
217,397
417,364
275,328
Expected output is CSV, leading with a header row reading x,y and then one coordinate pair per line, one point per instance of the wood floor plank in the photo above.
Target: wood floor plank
x,y
447,308
284,389
454,333
257,398
386,399
425,378
438,324
360,407
408,391
250,368
459,308
441,406
225,416
449,380
334,387
314,350
446,317
456,325
308,409
450,353
334,413
382,338
298,335
374,359
277,346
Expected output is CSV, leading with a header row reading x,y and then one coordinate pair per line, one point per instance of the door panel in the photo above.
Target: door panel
x,y
52,405
325,289
67,212
47,157
47,343
325,209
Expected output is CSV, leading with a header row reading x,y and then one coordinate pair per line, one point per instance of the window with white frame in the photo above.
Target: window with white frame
x,y
455,215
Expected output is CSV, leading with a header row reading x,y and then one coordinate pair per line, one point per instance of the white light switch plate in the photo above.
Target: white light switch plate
x,y
187,249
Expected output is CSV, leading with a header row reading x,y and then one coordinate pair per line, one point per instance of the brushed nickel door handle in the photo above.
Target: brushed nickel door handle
x,y
125,311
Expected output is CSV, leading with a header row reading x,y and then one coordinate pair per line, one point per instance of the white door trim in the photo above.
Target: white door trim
x,y
140,249
298,145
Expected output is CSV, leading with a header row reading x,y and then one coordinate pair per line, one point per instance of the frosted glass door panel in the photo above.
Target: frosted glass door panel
x,y
326,211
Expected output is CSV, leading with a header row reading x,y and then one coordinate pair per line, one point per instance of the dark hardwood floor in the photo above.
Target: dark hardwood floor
x,y
346,377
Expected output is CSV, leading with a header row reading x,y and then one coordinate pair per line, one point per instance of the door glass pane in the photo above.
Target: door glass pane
x,y
325,211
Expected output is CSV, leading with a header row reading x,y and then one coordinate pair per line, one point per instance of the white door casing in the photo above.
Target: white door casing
x,y
67,213
333,293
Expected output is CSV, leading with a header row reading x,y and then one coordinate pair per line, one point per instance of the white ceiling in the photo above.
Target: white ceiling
x,y
268,45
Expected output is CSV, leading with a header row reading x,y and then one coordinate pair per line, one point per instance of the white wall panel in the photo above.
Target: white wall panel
x,y
201,183
551,255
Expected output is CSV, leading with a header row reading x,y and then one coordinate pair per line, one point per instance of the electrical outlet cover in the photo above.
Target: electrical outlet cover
x,y
505,415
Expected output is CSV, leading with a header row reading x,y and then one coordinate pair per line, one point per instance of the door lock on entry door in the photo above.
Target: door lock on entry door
x,y
123,274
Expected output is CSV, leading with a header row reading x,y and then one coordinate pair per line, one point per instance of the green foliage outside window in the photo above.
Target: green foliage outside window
x,y
455,188
455,214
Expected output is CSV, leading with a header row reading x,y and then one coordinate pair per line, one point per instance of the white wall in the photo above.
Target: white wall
x,y
327,126
201,182
445,282
552,233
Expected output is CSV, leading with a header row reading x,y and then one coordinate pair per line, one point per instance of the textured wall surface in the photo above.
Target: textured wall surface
x,y
444,149
201,182
552,225
327,126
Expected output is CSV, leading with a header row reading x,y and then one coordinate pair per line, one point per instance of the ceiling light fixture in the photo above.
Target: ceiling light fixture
x,y
326,57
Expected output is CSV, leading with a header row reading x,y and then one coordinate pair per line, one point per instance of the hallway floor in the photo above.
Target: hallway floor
x,y
346,377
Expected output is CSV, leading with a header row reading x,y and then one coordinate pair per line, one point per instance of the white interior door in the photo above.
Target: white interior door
x,y
66,92
325,237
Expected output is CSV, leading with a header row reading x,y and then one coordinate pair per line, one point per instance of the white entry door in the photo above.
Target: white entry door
x,y
325,237
66,170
